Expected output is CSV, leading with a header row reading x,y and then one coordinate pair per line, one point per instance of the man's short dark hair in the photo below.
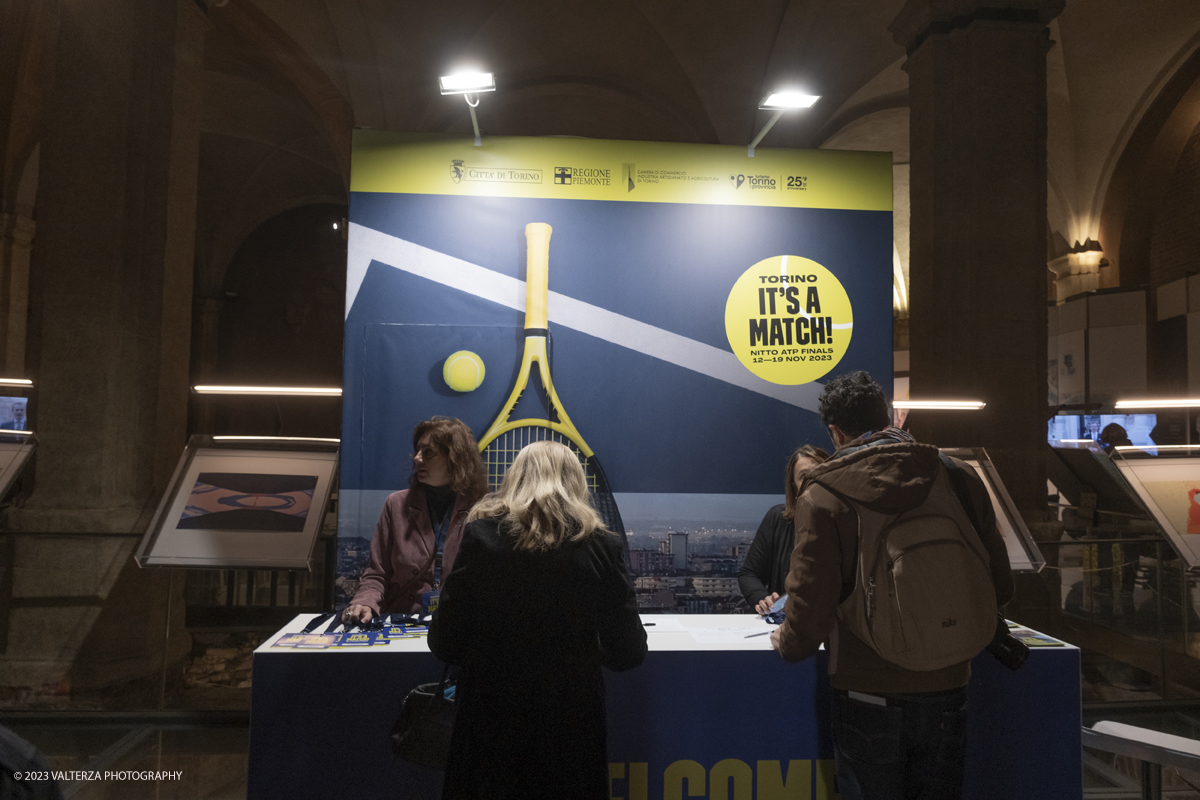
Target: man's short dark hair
x,y
855,403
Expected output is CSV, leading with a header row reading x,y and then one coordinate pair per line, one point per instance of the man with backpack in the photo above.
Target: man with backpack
x,y
899,567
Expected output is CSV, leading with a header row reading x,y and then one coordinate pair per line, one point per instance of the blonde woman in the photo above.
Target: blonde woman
x,y
538,601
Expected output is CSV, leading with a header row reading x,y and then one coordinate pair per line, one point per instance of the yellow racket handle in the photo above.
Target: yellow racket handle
x,y
537,273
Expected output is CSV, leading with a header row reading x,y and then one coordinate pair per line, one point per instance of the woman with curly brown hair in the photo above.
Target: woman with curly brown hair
x,y
420,528
766,567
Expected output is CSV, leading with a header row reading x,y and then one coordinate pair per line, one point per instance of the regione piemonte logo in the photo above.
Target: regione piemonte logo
x,y
582,176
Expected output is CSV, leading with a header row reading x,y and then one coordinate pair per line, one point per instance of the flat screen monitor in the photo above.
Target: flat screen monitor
x,y
1074,427
13,416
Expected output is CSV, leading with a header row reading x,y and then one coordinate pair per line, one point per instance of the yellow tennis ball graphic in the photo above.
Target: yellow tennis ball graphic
x,y
463,371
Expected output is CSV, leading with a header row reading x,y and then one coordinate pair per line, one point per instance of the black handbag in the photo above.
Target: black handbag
x,y
421,734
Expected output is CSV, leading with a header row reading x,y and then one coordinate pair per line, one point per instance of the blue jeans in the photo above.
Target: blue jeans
x,y
910,749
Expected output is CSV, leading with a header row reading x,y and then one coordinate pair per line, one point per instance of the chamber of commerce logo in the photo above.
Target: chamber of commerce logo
x,y
628,176
737,180
456,170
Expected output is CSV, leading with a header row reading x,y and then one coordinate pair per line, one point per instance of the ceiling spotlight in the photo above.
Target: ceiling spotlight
x,y
781,102
467,83
788,100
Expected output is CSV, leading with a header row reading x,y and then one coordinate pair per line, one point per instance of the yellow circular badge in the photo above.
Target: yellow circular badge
x,y
788,320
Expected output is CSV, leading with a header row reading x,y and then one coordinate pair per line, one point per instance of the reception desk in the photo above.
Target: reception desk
x,y
711,713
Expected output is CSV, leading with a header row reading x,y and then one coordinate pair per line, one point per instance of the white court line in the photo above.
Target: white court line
x,y
367,245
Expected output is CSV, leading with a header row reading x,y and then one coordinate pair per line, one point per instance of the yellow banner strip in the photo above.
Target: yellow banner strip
x,y
605,169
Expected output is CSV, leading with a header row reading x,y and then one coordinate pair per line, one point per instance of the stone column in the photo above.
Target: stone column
x,y
977,89
109,337
16,244
112,270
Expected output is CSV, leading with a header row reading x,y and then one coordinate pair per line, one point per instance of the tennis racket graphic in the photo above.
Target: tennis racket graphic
x,y
505,437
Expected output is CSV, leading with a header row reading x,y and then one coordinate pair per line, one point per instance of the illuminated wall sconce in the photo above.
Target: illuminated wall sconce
x,y
780,103
467,84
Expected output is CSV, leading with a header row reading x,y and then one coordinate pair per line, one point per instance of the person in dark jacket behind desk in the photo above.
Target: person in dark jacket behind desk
x,y
538,601
766,567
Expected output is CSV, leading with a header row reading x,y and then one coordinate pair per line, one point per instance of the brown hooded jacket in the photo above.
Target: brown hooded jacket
x,y
889,476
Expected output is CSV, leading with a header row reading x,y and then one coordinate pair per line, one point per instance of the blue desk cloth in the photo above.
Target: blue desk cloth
x,y
716,720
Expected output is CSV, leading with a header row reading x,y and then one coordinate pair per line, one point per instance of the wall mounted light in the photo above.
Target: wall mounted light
x,y
273,439
1177,402
781,102
16,382
467,84
939,405
1158,447
278,391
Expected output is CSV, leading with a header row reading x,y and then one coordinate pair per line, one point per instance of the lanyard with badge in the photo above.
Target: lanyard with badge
x,y
429,600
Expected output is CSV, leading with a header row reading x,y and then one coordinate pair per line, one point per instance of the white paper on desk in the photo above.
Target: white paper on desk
x,y
729,635
657,624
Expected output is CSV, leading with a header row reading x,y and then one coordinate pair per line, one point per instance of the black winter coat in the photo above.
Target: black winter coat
x,y
767,561
530,631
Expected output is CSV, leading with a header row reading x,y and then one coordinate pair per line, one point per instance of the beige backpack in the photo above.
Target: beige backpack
x,y
923,597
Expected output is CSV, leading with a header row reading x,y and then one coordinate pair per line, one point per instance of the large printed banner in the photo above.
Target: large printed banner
x,y
695,300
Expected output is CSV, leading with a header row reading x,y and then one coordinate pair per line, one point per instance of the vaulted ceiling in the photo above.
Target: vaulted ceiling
x,y
286,80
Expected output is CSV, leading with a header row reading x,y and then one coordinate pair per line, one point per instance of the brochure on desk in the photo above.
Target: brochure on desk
x,y
698,299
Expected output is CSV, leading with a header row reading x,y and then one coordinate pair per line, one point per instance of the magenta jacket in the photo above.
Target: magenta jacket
x,y
394,579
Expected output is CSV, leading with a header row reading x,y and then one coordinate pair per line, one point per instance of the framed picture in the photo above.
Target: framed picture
x,y
1168,485
1023,552
15,449
253,502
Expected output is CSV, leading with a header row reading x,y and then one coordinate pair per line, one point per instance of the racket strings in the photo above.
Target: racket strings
x,y
500,452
